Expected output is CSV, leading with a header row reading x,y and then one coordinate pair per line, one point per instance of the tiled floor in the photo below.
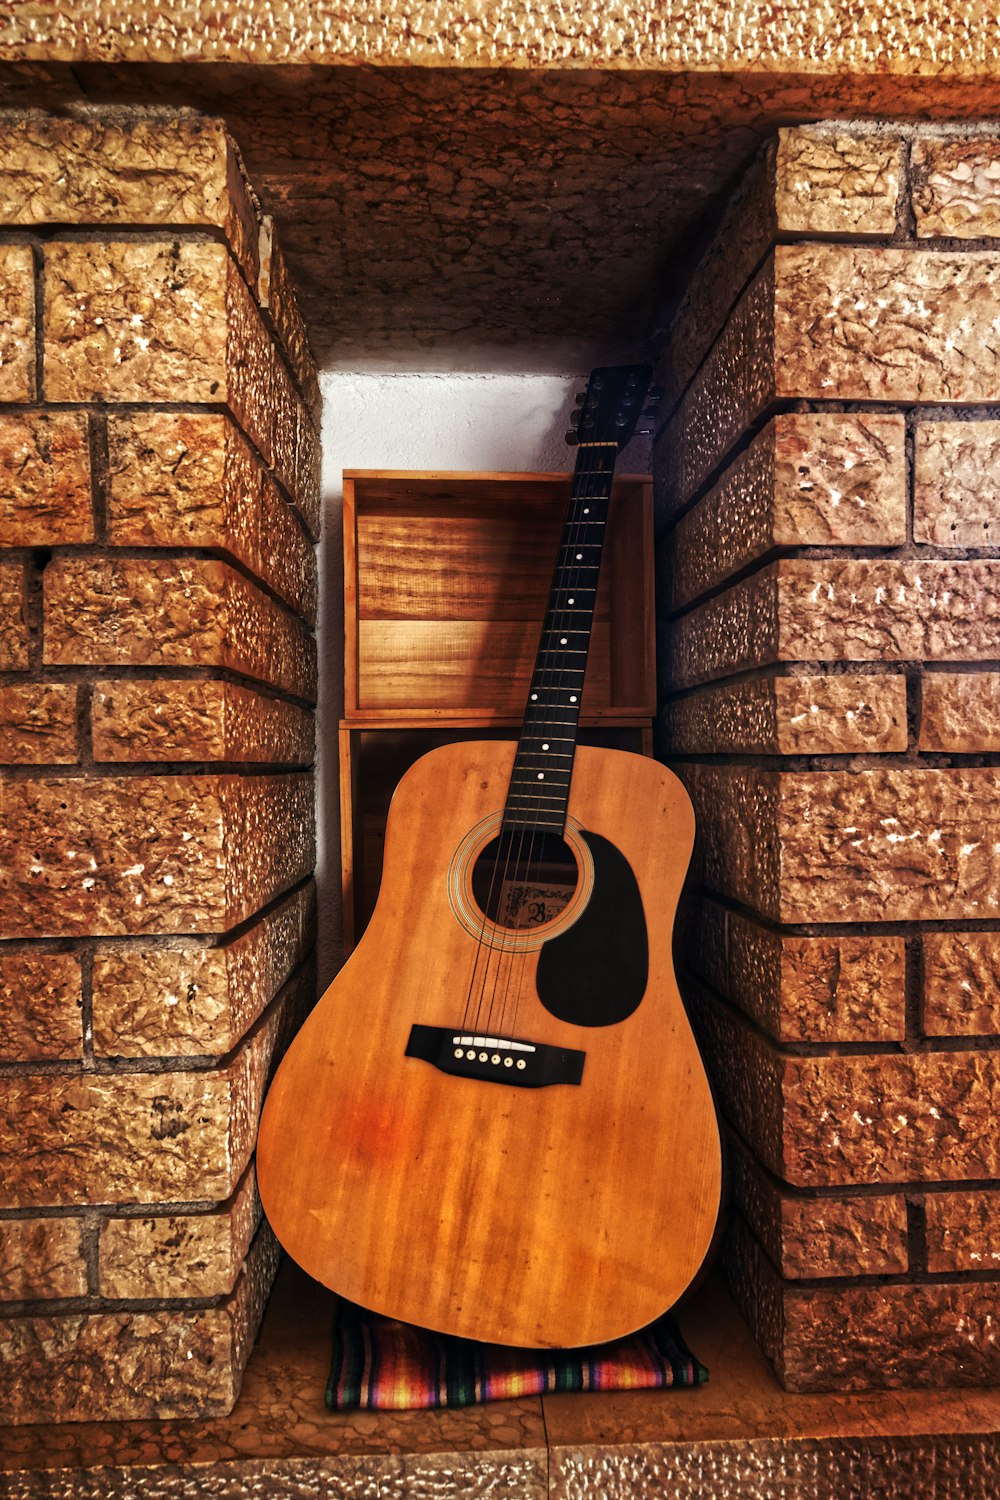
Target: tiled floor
x,y
739,1435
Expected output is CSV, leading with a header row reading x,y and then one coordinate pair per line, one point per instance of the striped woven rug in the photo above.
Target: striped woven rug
x,y
393,1366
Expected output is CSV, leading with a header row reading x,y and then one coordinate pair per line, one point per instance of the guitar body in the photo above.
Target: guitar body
x,y
560,1214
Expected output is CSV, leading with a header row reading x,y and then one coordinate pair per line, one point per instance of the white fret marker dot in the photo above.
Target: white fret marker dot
x,y
534,697
572,697
562,640
579,555
541,775
545,747
571,601
586,510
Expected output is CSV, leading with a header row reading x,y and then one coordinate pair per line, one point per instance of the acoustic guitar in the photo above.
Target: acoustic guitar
x,y
496,1123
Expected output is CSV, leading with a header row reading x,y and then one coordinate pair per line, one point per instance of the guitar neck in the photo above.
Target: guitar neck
x,y
543,766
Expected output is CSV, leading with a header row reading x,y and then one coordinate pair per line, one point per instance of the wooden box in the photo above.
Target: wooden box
x,y
446,578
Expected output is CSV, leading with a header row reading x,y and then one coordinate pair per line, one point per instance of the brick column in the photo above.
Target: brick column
x,y
159,483
828,494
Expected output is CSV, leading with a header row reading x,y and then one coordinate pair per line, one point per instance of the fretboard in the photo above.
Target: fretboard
x,y
543,766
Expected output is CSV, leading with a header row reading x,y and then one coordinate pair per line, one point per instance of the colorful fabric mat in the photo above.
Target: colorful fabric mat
x,y
393,1366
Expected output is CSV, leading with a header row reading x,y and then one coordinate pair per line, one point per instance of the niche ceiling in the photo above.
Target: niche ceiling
x,y
517,219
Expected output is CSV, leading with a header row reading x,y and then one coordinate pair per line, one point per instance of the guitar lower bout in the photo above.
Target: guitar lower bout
x,y
563,1202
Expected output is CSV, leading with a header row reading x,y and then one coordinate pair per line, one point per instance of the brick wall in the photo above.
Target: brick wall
x,y
159,502
828,489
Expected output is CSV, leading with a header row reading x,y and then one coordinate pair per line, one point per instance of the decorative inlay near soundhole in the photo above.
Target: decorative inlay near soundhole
x,y
518,889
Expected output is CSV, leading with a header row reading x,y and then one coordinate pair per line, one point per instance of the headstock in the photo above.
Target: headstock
x,y
610,408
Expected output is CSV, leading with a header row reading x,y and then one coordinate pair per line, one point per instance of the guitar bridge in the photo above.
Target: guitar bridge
x,y
495,1059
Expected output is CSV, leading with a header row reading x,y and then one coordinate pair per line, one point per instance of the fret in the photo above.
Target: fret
x,y
556,776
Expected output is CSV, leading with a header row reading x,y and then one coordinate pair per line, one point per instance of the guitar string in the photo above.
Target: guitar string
x,y
574,534
578,535
507,947
486,946
555,621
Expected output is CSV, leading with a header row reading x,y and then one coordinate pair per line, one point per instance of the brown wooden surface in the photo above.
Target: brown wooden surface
x,y
553,1216
446,577
461,663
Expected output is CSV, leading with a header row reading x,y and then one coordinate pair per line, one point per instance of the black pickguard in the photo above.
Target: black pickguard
x,y
595,973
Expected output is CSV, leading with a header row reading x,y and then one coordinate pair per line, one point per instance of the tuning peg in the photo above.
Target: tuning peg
x,y
655,393
574,419
573,439
579,398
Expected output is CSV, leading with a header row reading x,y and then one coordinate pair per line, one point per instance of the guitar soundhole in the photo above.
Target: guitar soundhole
x,y
524,879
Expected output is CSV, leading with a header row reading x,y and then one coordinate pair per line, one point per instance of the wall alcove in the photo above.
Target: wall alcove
x,y
810,252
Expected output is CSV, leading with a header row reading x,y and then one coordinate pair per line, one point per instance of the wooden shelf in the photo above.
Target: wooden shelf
x,y
446,578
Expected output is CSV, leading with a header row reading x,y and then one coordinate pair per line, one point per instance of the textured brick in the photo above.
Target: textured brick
x,y
748,1074
733,386
104,1138
185,1362
276,294
854,1120
13,619
40,1006
38,724
172,613
179,1255
963,1231
41,1258
197,721
897,844
802,989
858,323
834,715
155,321
956,187
150,854
838,322
731,633
807,1236
818,180
884,610
961,983
956,486
960,711
285,423
306,491
857,1338
45,479
17,323
806,480
841,609
121,167
169,1002
899,1336
738,843
746,231
185,479
830,182
922,1117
